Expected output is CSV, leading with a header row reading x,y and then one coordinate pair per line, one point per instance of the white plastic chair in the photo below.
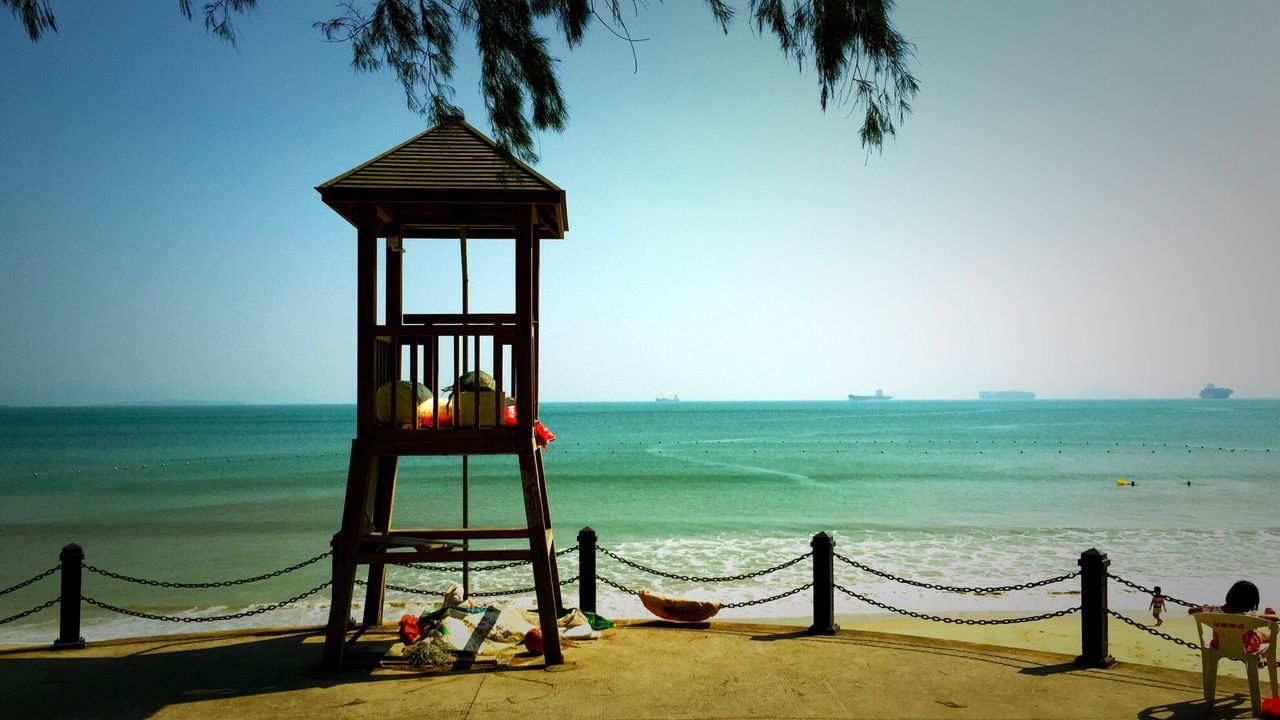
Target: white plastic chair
x,y
1230,629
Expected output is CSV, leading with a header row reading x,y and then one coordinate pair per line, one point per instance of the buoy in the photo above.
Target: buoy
x,y
533,641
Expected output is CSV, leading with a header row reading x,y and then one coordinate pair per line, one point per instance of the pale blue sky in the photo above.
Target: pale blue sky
x,y
1083,205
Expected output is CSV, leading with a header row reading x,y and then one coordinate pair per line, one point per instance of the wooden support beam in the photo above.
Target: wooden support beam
x,y
440,556
457,533
366,322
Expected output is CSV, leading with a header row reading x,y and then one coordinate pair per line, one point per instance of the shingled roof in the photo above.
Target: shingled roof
x,y
450,155
450,162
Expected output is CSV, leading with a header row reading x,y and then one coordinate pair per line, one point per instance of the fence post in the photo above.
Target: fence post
x,y
824,613
1093,610
587,569
72,559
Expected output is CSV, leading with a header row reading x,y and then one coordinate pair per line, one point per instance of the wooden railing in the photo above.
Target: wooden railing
x,y
436,351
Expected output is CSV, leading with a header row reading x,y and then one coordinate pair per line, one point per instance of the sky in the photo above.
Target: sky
x,y
1082,204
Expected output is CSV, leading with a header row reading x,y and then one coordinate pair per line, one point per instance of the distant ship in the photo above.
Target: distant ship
x,y
1006,395
673,398
878,396
1213,392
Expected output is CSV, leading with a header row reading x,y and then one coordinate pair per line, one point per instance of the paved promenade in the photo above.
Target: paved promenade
x,y
635,671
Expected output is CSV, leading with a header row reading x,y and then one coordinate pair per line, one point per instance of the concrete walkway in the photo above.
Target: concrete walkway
x,y
636,671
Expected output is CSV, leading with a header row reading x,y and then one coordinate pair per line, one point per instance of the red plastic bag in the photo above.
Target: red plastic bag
x,y
409,631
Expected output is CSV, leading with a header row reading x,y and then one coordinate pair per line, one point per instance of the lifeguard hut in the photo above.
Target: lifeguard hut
x,y
449,182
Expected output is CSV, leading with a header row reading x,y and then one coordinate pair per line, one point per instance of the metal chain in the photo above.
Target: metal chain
x,y
695,578
37,578
401,588
521,591
957,588
761,601
513,591
32,611
1149,591
483,568
955,621
206,585
1153,631
211,618
615,585
744,603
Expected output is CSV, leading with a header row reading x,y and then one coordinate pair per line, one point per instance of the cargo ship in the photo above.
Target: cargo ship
x,y
1006,395
1213,392
878,396
673,398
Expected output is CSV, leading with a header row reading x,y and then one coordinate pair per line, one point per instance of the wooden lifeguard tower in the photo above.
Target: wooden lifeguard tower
x,y
449,182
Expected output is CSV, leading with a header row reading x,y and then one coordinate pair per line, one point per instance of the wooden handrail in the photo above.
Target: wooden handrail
x,y
457,318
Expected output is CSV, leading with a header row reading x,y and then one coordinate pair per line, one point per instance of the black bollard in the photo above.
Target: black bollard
x,y
72,559
1093,610
824,605
587,569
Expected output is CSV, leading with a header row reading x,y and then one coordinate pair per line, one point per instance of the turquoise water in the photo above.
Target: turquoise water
x,y
950,492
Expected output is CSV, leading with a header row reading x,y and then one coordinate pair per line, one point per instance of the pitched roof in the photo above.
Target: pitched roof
x,y
452,155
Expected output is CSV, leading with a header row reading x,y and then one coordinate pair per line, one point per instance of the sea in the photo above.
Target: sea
x,y
958,493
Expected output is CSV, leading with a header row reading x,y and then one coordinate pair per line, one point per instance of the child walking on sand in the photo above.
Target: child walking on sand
x,y
1157,605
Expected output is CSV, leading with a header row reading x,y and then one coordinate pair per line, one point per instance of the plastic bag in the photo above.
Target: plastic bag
x,y
540,431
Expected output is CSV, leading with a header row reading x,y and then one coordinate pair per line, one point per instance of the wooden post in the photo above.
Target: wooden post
x,y
72,559
824,613
587,569
366,323
1093,610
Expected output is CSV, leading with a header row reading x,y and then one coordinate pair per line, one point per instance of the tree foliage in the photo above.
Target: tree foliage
x,y
857,54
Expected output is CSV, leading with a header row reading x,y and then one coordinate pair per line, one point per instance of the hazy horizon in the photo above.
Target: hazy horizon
x,y
239,403
1079,206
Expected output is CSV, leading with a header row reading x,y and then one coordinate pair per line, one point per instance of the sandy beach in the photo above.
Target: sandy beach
x,y
1055,635
641,670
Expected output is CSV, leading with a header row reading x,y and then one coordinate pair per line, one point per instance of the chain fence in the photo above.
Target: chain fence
x,y
1150,591
727,606
207,618
709,579
956,588
1153,631
32,611
207,585
951,620
642,568
491,593
483,568
35,579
